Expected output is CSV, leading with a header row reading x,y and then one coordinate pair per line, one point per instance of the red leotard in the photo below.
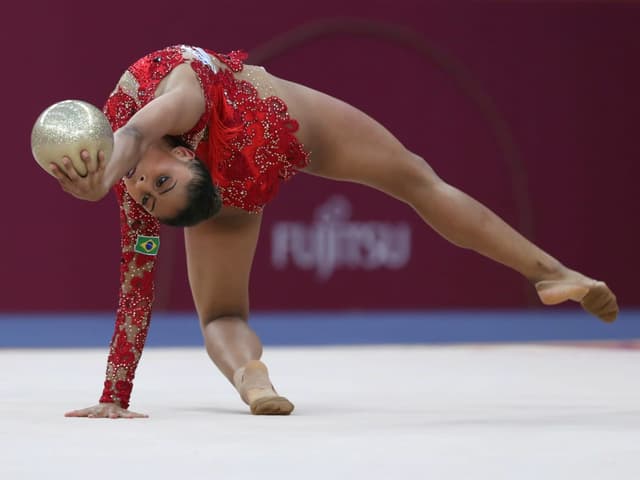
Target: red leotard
x,y
247,142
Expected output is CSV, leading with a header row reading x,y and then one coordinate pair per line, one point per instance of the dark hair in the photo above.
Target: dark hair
x,y
203,198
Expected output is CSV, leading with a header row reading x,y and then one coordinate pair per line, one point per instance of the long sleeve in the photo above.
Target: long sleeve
x,y
140,242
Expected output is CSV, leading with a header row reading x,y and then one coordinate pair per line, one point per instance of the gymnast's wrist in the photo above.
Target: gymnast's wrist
x,y
121,400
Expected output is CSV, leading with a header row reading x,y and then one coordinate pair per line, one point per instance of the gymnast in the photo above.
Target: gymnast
x,y
203,141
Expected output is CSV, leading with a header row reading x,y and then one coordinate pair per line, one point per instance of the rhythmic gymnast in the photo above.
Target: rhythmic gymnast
x,y
203,141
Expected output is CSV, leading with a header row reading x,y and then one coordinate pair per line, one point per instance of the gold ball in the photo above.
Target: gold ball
x,y
65,129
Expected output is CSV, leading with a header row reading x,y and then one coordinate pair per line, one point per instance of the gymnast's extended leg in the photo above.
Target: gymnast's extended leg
x,y
219,256
346,144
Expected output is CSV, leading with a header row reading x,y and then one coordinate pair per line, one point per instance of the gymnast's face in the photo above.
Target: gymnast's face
x,y
159,181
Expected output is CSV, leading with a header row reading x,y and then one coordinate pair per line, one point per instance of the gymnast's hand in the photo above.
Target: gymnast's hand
x,y
105,410
594,296
90,187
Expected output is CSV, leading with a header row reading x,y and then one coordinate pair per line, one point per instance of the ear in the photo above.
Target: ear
x,y
183,152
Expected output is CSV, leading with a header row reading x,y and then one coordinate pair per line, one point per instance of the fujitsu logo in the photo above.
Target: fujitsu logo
x,y
332,241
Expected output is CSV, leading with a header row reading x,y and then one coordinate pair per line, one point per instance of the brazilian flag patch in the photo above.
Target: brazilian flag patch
x,y
147,245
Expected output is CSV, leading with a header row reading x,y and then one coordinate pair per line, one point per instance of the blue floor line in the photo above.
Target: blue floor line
x,y
330,328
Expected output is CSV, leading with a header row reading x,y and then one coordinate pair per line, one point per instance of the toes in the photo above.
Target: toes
x,y
594,301
607,311
600,301
596,297
272,406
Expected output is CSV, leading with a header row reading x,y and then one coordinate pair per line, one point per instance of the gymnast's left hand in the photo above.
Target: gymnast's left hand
x,y
105,410
91,187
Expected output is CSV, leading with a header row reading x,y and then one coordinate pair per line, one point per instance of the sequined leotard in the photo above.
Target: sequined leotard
x,y
245,137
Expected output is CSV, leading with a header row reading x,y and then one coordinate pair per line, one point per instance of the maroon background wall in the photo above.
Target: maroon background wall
x,y
530,107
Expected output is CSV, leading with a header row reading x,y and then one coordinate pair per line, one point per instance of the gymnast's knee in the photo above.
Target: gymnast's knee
x,y
414,176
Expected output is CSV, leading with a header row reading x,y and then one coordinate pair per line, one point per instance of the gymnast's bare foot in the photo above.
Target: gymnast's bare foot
x,y
255,388
594,296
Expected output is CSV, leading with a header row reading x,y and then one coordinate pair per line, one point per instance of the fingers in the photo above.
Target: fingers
x,y
69,170
77,413
65,173
59,174
118,414
102,160
88,164
96,166
105,411
88,187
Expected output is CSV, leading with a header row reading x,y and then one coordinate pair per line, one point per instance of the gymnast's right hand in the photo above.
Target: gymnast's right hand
x,y
91,187
105,410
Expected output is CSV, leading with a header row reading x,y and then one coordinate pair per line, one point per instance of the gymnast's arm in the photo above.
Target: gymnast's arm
x,y
133,315
177,107
137,266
